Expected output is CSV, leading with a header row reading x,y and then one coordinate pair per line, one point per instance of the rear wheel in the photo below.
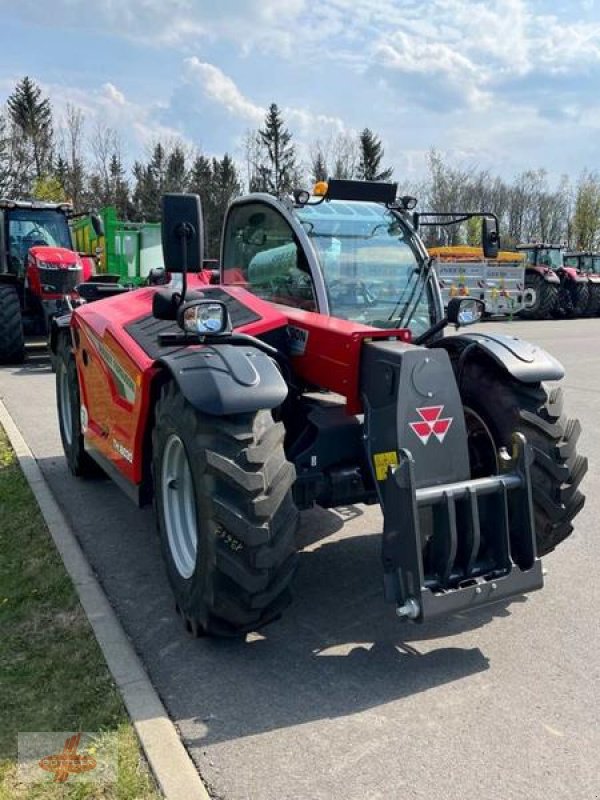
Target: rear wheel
x,y
495,407
225,515
593,306
69,412
579,296
12,342
545,297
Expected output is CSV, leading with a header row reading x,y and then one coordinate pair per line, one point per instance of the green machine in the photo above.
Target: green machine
x,y
128,250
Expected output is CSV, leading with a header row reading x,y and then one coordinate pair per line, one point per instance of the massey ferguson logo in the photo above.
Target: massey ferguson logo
x,y
431,422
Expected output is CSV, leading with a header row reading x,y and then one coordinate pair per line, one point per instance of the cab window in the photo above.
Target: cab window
x,y
262,255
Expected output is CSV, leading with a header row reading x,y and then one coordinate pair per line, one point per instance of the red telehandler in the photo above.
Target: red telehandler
x,y
317,372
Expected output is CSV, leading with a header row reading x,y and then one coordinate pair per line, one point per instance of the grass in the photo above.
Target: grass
x,y
52,672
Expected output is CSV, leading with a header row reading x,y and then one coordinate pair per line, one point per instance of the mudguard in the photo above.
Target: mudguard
x,y
526,362
226,379
546,273
57,325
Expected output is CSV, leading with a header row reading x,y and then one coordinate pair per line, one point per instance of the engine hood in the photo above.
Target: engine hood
x,y
59,257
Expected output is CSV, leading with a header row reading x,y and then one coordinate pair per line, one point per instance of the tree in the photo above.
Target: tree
x,y
318,166
31,113
49,189
70,167
176,174
371,153
276,171
586,218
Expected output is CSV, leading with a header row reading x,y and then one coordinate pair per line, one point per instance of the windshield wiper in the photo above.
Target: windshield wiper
x,y
415,274
425,270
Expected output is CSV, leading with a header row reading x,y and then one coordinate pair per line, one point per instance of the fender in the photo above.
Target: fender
x,y
546,273
526,362
57,325
226,379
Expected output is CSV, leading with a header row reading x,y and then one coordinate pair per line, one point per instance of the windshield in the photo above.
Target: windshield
x,y
30,227
550,257
372,272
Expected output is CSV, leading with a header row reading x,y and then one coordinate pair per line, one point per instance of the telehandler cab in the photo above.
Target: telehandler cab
x,y
317,372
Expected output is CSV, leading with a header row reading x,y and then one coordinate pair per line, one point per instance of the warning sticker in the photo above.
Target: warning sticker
x,y
382,461
298,339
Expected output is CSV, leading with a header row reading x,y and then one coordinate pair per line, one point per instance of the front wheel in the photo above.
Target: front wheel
x,y
225,515
12,342
495,406
579,294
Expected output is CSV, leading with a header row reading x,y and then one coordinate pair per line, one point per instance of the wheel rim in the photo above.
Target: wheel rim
x,y
179,506
66,412
483,453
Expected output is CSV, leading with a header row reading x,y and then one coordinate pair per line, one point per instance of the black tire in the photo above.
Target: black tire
x,y
505,406
579,296
546,297
594,303
12,341
245,517
69,413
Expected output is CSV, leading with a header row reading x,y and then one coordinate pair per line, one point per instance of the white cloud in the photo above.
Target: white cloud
x,y
221,88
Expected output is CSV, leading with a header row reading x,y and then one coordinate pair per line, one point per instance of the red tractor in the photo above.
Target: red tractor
x,y
553,288
317,372
38,270
588,263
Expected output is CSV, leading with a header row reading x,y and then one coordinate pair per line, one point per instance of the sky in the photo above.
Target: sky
x,y
506,85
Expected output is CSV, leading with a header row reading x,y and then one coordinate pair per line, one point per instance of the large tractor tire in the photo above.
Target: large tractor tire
x,y
496,405
546,297
578,295
12,341
69,413
225,515
593,306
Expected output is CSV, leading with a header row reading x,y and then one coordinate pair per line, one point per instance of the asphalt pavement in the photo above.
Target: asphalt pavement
x,y
339,700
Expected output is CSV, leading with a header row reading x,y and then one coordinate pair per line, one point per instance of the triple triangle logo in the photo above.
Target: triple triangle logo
x,y
431,422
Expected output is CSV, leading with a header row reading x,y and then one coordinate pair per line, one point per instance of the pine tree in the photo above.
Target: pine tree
x,y
277,171
371,153
319,167
31,114
176,177
119,188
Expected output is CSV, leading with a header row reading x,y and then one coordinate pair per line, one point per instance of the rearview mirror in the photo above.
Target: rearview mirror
x,y
182,232
97,225
204,318
464,311
490,238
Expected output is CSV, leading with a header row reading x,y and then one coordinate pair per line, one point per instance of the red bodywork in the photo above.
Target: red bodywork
x,y
116,375
62,260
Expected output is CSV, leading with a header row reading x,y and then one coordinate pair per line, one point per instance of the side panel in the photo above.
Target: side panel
x,y
326,351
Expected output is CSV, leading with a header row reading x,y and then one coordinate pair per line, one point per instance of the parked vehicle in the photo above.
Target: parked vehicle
x,y
317,372
587,263
39,270
553,287
464,272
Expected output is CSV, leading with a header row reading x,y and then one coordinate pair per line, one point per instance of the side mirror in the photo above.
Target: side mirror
x,y
490,238
182,232
97,225
463,311
204,318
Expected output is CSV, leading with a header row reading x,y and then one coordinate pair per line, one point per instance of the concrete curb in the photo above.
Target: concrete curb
x,y
169,761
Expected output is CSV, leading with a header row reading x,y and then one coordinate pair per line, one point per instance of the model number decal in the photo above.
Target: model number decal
x,y
298,340
123,451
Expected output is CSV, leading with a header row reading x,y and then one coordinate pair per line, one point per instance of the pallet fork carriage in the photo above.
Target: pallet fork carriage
x,y
317,372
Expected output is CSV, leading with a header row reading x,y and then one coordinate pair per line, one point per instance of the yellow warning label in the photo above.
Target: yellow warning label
x,y
382,462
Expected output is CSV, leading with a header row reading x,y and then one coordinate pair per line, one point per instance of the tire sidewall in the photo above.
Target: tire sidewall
x,y
193,593
65,364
